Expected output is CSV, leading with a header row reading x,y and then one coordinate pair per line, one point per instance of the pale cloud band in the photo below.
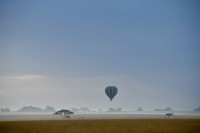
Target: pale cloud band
x,y
24,77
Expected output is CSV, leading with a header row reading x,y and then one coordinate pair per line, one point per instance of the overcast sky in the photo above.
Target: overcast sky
x,y
64,53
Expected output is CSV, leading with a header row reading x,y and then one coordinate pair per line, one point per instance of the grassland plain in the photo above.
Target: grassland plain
x,y
102,126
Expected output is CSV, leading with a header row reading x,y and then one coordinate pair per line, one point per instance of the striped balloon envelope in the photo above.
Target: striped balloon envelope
x,y
111,91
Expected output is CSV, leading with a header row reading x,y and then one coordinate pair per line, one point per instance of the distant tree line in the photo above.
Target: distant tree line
x,y
114,110
50,109
166,109
4,110
197,109
31,109
36,109
81,110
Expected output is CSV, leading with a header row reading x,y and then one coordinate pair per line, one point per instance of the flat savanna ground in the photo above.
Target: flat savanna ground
x,y
102,126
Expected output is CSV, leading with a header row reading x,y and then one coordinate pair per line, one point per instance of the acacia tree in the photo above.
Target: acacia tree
x,y
169,115
64,113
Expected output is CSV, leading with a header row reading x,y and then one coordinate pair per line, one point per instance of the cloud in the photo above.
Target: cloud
x,y
25,77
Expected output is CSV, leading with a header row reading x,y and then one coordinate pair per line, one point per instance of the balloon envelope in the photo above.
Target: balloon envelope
x,y
111,91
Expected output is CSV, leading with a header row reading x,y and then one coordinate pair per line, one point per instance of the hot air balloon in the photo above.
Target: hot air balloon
x,y
111,91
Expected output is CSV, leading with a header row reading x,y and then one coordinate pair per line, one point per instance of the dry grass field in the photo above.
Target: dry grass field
x,y
103,126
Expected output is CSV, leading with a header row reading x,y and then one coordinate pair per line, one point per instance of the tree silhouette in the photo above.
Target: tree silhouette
x,y
64,113
169,115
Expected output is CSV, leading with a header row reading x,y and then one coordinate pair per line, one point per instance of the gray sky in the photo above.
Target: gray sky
x,y
64,53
